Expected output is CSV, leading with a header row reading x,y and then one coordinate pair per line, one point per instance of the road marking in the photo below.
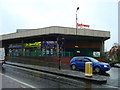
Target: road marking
x,y
19,81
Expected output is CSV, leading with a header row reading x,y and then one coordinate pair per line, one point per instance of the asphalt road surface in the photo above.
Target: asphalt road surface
x,y
114,77
15,77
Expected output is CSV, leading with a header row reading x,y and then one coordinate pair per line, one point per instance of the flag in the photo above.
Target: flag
x,y
83,25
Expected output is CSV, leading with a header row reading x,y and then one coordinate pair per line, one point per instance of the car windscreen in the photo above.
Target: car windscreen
x,y
93,59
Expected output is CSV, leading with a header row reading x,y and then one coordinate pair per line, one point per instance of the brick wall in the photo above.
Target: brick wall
x,y
42,61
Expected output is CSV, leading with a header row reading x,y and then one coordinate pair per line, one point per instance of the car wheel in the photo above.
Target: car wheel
x,y
73,67
97,70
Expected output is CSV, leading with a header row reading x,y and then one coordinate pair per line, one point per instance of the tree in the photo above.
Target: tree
x,y
114,52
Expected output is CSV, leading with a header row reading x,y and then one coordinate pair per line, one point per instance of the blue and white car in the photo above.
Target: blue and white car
x,y
79,63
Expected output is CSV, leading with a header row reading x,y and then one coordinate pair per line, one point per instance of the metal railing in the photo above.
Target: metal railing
x,y
42,54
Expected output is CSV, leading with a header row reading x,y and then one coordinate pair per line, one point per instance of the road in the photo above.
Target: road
x,y
15,77
114,78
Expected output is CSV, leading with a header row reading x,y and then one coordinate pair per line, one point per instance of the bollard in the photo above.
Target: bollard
x,y
88,69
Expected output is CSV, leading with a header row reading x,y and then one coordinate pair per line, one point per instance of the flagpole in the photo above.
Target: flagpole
x,y
76,27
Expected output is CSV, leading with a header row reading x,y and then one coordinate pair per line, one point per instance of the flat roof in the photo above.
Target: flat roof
x,y
22,33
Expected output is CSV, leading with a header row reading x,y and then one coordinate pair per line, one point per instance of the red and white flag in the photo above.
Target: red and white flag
x,y
82,25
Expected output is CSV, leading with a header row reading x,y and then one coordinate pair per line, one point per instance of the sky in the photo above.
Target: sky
x,y
33,14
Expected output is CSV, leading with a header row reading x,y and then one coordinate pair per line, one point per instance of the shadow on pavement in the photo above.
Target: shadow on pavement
x,y
101,73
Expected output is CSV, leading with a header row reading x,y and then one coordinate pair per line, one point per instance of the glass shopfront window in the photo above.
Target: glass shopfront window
x,y
44,48
49,48
15,50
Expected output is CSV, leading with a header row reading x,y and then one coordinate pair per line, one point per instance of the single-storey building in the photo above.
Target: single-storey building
x,y
54,41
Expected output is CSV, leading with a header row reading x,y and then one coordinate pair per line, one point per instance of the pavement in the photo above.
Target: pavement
x,y
79,75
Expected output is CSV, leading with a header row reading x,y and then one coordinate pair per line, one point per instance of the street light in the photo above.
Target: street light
x,y
76,19
60,40
76,27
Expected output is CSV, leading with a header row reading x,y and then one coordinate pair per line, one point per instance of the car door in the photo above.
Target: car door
x,y
79,63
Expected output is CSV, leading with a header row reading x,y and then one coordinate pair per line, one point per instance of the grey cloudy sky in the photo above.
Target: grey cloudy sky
x,y
32,14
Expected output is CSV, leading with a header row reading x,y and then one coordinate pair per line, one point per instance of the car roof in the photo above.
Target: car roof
x,y
81,57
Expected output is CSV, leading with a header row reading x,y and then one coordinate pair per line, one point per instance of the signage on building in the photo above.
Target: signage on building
x,y
78,51
96,54
36,44
82,25
15,46
49,43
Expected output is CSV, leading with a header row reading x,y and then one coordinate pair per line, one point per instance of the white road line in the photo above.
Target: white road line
x,y
18,81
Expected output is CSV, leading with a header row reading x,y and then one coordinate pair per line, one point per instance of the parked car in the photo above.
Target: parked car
x,y
79,63
2,56
117,65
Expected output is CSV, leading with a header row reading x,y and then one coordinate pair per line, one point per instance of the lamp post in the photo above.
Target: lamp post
x,y
76,27
60,44
76,19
